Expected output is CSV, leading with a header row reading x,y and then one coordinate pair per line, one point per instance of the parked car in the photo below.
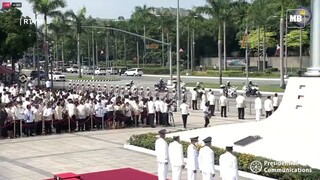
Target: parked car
x,y
134,72
57,76
100,71
121,71
73,69
35,75
112,71
88,71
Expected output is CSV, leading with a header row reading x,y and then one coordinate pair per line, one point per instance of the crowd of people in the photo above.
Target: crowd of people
x,y
37,111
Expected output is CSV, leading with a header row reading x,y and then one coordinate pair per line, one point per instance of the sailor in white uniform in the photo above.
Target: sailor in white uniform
x,y
192,159
176,158
228,164
206,160
161,148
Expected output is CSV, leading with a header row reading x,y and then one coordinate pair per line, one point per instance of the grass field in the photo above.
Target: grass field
x,y
267,88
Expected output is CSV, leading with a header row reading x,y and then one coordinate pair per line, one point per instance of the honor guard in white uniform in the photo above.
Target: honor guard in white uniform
x,y
176,158
157,92
99,88
206,160
122,91
141,92
111,90
117,90
174,95
192,159
88,88
93,87
228,164
148,93
161,148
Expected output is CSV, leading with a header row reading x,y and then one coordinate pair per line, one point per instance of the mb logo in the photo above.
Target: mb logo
x,y
298,18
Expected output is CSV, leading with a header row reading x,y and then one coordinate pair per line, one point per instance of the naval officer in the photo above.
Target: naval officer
x,y
206,160
192,161
161,148
228,164
176,158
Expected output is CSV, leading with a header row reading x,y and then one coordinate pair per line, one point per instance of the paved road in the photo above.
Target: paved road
x,y
151,79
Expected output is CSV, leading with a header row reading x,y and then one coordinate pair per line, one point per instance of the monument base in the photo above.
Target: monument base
x,y
289,134
312,72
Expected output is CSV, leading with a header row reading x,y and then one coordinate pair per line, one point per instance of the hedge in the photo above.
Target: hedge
x,y
148,141
159,70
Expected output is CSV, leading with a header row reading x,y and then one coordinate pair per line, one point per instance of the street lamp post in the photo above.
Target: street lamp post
x,y
178,56
107,50
300,49
93,63
188,49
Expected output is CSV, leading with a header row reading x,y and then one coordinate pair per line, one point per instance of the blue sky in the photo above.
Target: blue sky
x,y
112,9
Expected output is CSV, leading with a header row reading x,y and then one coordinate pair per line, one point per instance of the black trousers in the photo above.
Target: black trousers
x,y
151,119
165,118
194,105
268,113
184,120
206,121
88,124
211,109
47,127
58,126
99,122
223,111
157,117
275,108
81,124
38,127
241,113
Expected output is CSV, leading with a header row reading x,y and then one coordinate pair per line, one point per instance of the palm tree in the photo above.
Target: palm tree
x,y
77,20
217,9
48,8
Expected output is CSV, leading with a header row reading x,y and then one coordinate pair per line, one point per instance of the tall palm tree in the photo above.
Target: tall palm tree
x,y
48,8
218,10
76,20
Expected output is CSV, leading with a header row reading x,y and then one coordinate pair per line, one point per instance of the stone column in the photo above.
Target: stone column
x,y
314,70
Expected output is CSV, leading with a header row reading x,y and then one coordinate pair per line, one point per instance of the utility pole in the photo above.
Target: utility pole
x,y
264,50
219,54
188,49
300,49
37,49
107,50
138,56
78,54
224,46
125,51
93,59
162,51
88,56
193,51
144,42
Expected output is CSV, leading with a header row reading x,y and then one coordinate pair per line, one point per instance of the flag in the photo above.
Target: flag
x,y
244,38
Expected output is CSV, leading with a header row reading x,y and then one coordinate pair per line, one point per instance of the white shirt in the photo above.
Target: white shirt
x,y
48,84
228,167
110,108
223,100
211,99
71,108
257,103
206,160
47,113
151,107
82,111
240,101
192,158
194,95
176,154
99,110
161,148
157,104
268,105
184,108
275,101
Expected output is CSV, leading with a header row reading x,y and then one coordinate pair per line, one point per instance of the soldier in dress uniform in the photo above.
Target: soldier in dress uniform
x,y
176,158
105,89
99,88
83,87
148,93
111,90
70,86
141,93
167,95
161,149
88,88
192,159
228,164
157,93
78,86
117,90
135,92
174,95
206,160
122,92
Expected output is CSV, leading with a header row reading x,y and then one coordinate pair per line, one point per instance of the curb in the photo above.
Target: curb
x,y
152,153
93,80
241,91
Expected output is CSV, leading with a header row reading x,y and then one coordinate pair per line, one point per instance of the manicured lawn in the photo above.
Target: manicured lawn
x,y
268,88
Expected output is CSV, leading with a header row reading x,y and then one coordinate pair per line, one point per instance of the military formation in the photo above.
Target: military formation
x,y
198,162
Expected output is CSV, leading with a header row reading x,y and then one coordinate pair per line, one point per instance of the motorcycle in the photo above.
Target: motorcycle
x,y
161,87
251,90
230,92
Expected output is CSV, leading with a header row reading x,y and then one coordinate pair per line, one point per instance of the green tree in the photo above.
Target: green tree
x,y
15,38
253,39
48,8
293,38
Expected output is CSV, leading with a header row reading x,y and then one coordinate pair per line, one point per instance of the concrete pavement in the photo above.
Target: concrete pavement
x,y
40,157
